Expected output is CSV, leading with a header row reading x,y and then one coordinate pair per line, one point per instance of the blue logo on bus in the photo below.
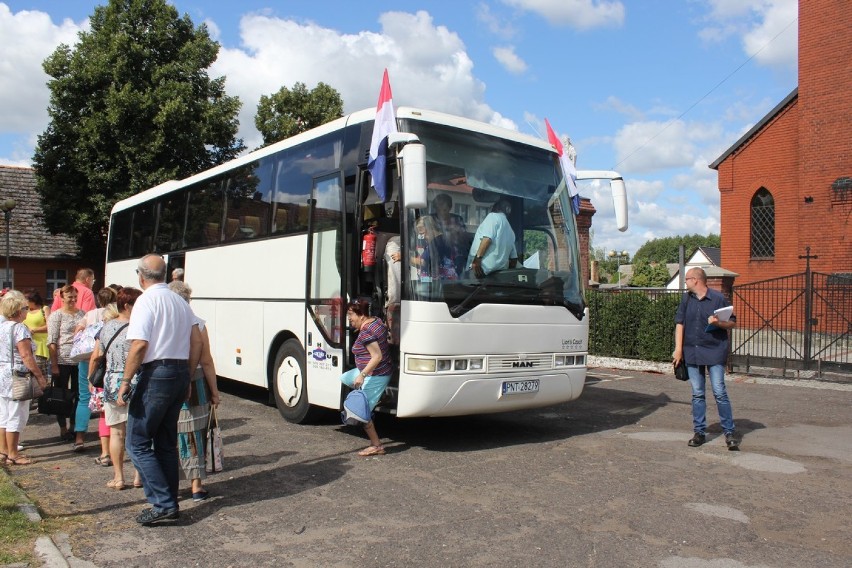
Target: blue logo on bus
x,y
319,354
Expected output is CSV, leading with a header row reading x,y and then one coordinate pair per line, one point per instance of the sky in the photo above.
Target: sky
x,y
654,89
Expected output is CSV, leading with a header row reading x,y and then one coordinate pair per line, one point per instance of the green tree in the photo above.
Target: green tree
x,y
647,275
289,112
665,249
131,106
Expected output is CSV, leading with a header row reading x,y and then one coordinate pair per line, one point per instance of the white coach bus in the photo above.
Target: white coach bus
x,y
275,243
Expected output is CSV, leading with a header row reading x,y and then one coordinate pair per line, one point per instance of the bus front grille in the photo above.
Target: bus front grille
x,y
520,362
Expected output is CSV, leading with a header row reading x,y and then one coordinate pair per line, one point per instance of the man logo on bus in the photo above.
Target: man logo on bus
x,y
522,364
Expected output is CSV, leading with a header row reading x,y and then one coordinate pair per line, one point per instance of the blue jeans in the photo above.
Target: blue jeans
x,y
152,431
699,401
83,413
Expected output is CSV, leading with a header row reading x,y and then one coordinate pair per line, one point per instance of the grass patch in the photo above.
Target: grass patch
x,y
17,532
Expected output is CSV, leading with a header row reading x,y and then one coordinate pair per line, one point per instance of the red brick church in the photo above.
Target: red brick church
x,y
786,185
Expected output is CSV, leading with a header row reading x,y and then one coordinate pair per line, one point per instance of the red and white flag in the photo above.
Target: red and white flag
x,y
384,125
567,167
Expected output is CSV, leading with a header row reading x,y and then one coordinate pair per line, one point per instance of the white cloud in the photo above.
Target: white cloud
x,y
766,28
428,65
650,146
27,38
579,14
621,107
494,23
510,61
774,41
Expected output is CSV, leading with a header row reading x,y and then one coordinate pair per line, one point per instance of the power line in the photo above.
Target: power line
x,y
707,94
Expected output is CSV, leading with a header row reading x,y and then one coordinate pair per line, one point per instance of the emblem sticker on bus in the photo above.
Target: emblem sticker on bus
x,y
573,345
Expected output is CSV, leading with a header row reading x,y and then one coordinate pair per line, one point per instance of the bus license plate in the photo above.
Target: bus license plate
x,y
520,387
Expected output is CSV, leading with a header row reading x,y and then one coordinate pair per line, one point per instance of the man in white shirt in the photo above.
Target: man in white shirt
x,y
164,345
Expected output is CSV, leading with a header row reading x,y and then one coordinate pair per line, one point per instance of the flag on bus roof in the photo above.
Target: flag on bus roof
x,y
384,125
567,167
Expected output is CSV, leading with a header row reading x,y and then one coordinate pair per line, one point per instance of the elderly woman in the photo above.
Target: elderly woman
x,y
60,337
373,366
195,412
15,352
114,334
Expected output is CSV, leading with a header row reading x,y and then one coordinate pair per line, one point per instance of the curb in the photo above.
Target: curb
x,y
45,548
594,361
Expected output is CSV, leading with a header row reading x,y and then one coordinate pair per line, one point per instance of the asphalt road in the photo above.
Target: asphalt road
x,y
607,480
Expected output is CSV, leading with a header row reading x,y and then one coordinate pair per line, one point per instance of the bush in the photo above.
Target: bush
x,y
632,324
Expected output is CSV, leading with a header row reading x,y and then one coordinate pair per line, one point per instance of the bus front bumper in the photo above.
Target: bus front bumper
x,y
456,395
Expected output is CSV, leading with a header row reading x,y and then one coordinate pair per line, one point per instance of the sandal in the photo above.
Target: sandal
x,y
116,484
20,460
104,461
372,451
137,484
78,447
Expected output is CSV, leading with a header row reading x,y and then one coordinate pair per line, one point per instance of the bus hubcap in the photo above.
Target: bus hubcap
x,y
290,381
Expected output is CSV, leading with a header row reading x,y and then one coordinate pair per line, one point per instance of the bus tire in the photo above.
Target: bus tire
x,y
289,384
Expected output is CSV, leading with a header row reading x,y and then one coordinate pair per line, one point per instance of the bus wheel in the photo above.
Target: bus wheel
x,y
289,384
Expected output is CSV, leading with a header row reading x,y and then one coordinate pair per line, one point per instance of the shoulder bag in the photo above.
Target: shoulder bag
x,y
24,384
96,375
216,456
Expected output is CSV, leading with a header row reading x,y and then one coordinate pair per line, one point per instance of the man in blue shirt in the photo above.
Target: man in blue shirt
x,y
493,246
701,341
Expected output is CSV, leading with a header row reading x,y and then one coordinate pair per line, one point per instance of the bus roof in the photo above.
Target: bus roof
x,y
357,117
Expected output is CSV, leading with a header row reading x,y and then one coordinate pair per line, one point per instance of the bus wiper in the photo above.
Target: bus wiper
x,y
459,308
578,310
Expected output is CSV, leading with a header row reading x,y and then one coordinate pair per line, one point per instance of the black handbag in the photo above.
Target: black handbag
x,y
57,401
680,371
96,375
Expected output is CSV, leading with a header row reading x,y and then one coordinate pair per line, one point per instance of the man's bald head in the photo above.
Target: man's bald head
x,y
152,268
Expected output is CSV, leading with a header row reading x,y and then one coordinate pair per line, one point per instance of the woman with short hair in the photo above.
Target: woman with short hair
x,y
15,353
373,366
60,338
114,334
195,412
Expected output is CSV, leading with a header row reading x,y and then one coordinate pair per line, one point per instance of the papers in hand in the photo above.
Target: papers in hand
x,y
724,314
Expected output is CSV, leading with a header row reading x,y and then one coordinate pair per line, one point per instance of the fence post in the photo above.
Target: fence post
x,y
809,289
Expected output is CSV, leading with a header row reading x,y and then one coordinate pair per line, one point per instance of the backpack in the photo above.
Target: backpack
x,y
356,409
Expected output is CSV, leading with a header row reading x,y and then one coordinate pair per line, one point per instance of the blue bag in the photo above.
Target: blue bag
x,y
356,409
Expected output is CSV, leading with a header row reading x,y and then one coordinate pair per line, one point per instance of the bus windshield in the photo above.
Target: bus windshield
x,y
498,227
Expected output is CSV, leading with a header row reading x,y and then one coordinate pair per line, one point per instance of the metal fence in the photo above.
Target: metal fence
x,y
800,321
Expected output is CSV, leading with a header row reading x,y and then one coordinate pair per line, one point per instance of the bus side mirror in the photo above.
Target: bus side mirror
x,y
413,156
619,202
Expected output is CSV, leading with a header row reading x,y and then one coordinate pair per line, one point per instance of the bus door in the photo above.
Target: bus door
x,y
325,313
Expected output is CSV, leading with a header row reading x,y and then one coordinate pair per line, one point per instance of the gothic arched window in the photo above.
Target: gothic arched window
x,y
762,224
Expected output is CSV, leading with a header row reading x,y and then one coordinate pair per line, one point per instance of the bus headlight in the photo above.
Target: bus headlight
x,y
421,365
563,360
476,364
444,365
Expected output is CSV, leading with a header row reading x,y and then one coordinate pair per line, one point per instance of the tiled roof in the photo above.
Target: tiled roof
x,y
28,236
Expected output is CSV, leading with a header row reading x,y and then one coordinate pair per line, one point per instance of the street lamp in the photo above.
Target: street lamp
x,y
6,207
618,256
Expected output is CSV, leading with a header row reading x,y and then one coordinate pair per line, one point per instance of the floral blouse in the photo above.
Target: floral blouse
x,y
60,330
8,351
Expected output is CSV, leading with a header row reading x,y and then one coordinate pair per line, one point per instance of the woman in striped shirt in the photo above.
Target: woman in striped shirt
x,y
373,367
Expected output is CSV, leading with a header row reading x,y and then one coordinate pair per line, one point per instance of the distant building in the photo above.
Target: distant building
x,y
709,259
786,184
37,259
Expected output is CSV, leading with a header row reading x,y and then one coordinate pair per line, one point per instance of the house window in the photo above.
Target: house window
x,y
54,279
762,224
